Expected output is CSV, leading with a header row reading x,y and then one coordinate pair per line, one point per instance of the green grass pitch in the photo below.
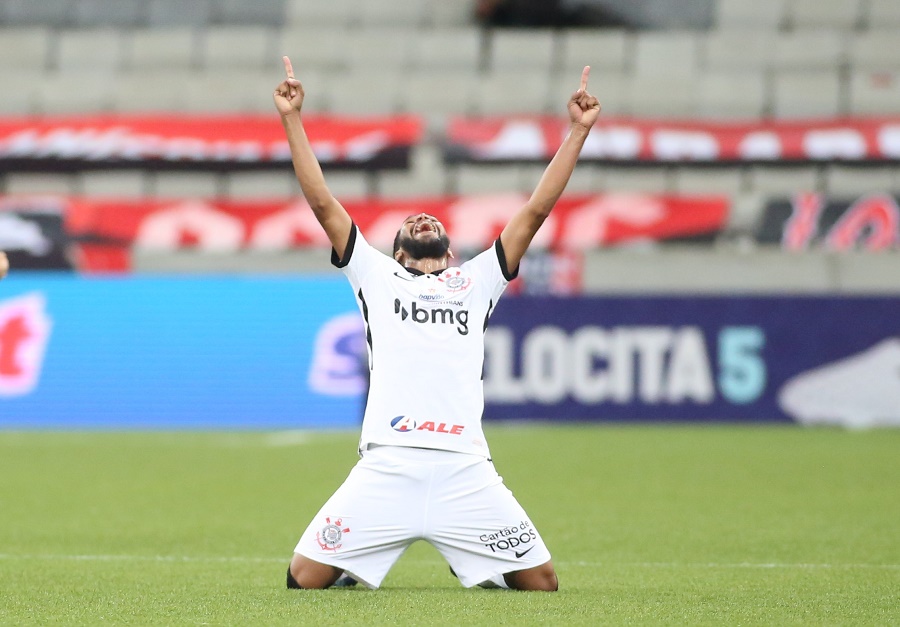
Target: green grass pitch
x,y
677,525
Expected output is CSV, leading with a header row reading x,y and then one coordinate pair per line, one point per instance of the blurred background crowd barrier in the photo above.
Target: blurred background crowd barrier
x,y
748,154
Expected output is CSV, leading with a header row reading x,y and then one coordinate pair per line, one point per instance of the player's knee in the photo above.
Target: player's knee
x,y
539,579
291,582
305,574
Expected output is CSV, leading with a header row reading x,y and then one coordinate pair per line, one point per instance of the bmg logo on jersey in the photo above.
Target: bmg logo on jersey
x,y
438,315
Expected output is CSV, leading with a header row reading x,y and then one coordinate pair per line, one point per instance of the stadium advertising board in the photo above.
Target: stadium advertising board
x,y
811,220
34,233
290,353
176,353
201,141
530,138
809,359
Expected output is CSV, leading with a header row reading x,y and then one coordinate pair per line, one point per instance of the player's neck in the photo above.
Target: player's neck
x,y
427,265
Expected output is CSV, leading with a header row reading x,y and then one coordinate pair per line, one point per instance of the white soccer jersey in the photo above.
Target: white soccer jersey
x,y
425,335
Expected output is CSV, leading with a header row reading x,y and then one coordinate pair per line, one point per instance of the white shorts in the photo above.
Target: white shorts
x,y
395,496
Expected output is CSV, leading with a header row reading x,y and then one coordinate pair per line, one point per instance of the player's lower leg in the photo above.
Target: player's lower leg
x,y
311,575
540,578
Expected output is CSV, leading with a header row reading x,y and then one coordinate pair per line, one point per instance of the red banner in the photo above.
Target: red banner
x,y
627,140
809,220
201,141
105,230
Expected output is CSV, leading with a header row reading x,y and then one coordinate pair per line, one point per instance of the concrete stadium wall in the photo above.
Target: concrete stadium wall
x,y
670,271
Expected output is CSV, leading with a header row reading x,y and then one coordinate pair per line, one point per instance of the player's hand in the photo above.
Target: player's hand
x,y
288,95
4,264
584,109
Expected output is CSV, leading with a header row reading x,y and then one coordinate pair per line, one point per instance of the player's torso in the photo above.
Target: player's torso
x,y
427,352
437,307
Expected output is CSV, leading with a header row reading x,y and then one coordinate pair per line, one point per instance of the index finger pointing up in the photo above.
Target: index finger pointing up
x,y
584,76
288,67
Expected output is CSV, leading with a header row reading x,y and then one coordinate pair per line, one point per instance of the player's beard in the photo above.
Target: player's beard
x,y
432,248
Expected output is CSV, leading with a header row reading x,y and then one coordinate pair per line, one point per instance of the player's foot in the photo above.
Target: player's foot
x,y
345,581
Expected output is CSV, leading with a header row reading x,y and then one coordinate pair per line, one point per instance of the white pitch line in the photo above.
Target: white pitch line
x,y
286,558
738,565
144,558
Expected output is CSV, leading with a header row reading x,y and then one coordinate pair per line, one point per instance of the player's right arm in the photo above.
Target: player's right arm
x,y
4,264
329,212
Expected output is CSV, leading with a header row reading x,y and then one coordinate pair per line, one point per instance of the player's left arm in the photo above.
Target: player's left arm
x,y
518,233
4,264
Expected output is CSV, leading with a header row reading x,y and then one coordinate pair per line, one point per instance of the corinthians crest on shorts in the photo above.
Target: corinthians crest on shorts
x,y
329,537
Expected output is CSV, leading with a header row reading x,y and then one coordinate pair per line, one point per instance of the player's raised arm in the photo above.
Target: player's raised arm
x,y
517,235
329,212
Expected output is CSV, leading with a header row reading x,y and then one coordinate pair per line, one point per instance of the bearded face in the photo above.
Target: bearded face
x,y
425,248
422,237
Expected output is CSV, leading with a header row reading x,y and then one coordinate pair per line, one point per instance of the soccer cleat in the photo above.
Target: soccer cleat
x,y
344,581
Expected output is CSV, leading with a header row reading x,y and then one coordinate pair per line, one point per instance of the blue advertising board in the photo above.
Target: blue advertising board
x,y
262,352
744,358
173,352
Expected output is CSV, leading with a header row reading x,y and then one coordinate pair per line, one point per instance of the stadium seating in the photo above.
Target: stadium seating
x,y
605,50
26,48
874,92
838,14
89,50
792,89
49,13
729,180
532,50
735,94
363,91
843,180
228,48
196,13
186,185
739,49
106,13
882,14
784,180
261,185
769,14
512,91
873,50
160,48
115,184
817,49
761,60
438,95
649,179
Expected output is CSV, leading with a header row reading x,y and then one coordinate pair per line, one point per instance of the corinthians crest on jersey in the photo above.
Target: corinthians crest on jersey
x,y
455,281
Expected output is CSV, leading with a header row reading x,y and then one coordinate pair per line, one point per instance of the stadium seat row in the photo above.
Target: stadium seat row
x,y
787,14
673,53
437,95
132,13
771,14
430,177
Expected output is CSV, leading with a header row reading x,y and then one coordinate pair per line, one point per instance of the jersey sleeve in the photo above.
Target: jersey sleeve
x,y
360,258
492,269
